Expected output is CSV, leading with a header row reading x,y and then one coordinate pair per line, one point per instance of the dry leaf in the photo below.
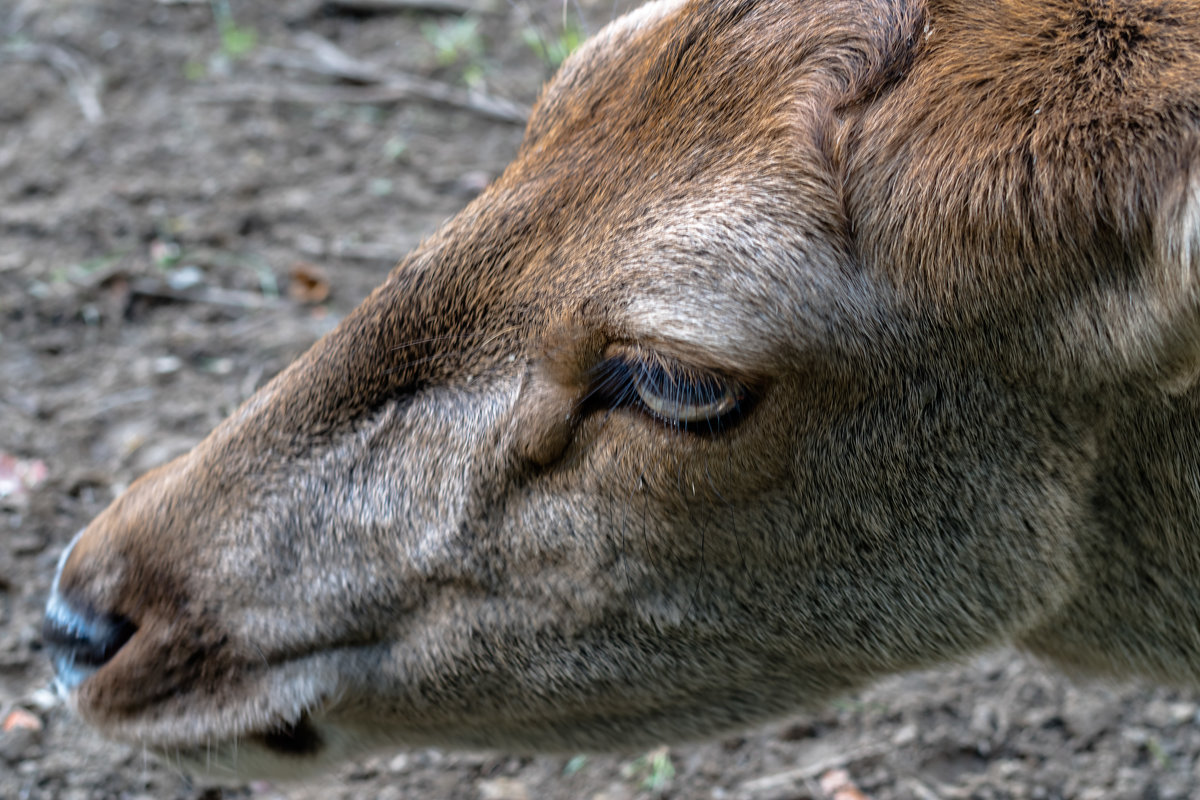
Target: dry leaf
x,y
17,477
20,719
837,785
308,283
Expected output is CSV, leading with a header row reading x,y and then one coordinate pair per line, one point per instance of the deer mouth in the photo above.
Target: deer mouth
x,y
284,751
299,738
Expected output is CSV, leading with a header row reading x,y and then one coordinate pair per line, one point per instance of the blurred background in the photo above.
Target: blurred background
x,y
193,191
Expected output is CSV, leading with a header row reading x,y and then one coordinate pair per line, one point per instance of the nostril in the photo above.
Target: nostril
x,y
80,642
92,640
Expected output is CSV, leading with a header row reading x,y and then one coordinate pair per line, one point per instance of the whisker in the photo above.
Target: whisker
x,y
693,602
454,335
460,353
737,540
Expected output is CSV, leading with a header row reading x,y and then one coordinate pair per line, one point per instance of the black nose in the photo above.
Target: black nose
x,y
81,641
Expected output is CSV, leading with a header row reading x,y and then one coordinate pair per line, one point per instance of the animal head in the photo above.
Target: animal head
x,y
802,343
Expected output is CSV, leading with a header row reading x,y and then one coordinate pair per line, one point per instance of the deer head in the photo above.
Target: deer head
x,y
803,342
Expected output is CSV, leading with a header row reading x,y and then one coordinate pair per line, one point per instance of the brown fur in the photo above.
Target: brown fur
x,y
949,247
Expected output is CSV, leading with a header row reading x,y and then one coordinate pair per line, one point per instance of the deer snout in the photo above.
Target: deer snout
x,y
110,610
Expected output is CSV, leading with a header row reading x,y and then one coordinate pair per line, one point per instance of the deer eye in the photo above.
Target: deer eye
x,y
681,396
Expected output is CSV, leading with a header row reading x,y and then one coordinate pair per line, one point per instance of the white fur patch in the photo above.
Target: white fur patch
x,y
1182,240
735,276
1174,293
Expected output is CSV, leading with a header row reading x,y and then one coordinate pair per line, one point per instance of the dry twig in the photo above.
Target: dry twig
x,y
485,106
391,6
374,84
318,248
322,57
822,762
226,298
83,80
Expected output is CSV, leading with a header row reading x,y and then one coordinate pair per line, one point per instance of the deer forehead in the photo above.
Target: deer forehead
x,y
733,278
681,175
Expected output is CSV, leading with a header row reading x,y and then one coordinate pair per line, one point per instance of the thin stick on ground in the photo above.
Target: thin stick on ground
x,y
372,84
83,80
300,94
394,6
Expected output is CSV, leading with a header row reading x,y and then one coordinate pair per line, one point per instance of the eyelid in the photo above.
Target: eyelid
x,y
688,356
669,390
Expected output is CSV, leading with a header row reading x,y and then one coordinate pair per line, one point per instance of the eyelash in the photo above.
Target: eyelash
x,y
685,398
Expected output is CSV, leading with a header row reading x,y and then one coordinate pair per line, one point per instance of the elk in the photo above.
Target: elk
x,y
804,341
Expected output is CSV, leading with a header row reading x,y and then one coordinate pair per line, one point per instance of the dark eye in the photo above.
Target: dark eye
x,y
682,396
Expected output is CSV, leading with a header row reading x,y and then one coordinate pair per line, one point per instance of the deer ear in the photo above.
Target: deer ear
x,y
1081,177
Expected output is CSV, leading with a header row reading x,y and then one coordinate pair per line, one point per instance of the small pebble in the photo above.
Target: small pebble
x,y
503,789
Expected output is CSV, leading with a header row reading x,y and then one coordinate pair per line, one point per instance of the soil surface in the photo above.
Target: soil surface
x,y
180,184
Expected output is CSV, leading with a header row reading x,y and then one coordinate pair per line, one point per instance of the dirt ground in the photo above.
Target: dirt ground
x,y
180,182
